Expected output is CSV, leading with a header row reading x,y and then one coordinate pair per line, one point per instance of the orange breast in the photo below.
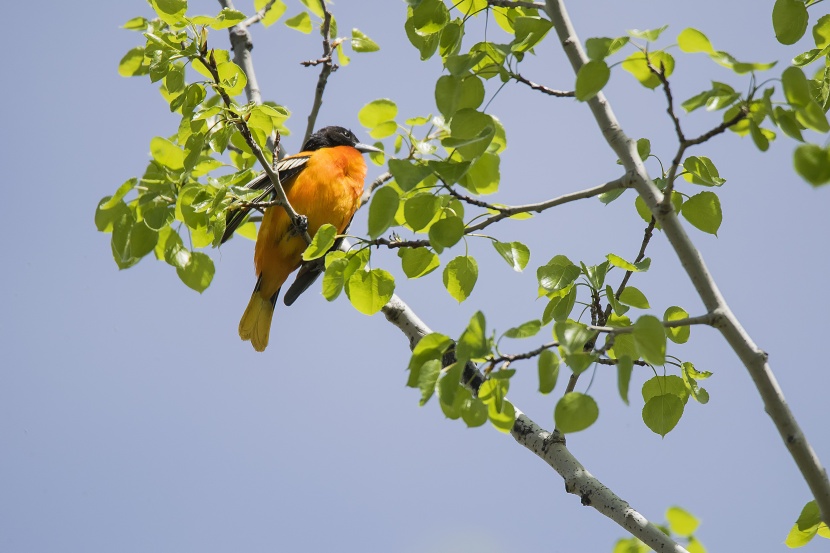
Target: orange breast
x,y
328,190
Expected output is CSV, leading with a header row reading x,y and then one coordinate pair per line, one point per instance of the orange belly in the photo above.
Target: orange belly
x,y
327,190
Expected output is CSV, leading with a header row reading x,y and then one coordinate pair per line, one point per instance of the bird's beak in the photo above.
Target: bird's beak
x,y
365,148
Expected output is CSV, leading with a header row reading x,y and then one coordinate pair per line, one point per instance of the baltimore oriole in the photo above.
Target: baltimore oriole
x,y
324,183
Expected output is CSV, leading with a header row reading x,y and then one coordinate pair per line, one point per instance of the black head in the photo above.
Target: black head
x,y
329,137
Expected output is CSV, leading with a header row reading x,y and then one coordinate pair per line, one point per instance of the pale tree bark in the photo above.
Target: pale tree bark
x,y
753,358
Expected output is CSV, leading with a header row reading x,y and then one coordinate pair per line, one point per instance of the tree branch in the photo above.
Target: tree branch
x,y
377,183
505,212
640,256
682,142
299,221
753,358
550,447
241,45
326,70
544,89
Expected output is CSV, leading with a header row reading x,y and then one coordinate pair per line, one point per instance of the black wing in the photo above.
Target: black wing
x,y
287,168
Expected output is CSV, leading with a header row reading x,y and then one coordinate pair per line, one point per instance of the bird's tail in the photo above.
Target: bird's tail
x,y
255,324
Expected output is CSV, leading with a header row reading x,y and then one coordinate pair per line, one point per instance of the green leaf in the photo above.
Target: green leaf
x,y
454,93
812,162
560,305
515,253
449,388
808,524
602,47
524,330
502,418
321,243
334,278
376,112
300,22
650,338
662,413
446,232
362,43
659,385
787,122
759,136
821,32
369,291
557,274
143,240
417,262
420,210
592,77
529,31
701,170
789,20
272,15
618,261
166,153
135,24
634,297
796,86
691,41
643,148
703,211
625,366
426,45
575,412
408,174
678,335
618,308
473,343
572,336
681,522
132,64
429,17
449,171
382,210
637,65
460,276
170,11
232,78
427,378
548,371
482,177
473,410
431,346
471,132
197,273
650,35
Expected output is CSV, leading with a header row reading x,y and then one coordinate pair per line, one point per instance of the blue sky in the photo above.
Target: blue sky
x,y
132,417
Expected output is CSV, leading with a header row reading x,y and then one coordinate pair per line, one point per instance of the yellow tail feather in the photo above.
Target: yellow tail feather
x,y
255,324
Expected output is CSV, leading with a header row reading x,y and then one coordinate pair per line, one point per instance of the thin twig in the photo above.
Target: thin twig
x,y
682,142
299,221
505,212
326,70
516,4
377,183
258,16
649,232
543,88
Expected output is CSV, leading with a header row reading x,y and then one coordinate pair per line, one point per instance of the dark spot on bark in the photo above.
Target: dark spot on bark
x,y
586,499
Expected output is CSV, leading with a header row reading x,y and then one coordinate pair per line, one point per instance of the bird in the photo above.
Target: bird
x,y
324,183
